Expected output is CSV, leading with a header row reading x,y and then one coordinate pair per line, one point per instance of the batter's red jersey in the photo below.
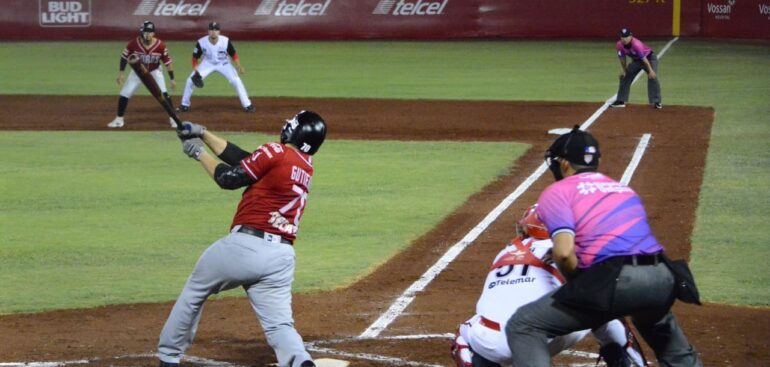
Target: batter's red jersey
x,y
276,201
151,55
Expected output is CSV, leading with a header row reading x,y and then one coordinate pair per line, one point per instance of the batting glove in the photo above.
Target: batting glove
x,y
190,130
193,148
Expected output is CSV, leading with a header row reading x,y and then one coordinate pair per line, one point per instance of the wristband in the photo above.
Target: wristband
x,y
171,74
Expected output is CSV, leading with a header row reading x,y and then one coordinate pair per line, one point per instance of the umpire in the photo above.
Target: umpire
x,y
614,265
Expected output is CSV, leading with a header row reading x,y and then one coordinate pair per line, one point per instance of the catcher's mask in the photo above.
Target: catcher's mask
x,y
530,225
577,147
306,131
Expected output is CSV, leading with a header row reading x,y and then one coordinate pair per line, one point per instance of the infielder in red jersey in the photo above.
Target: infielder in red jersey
x,y
258,254
150,51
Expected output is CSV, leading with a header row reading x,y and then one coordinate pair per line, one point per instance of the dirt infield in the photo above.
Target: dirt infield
x,y
668,179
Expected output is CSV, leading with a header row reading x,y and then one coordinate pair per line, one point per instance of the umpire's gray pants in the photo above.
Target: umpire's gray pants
x,y
644,292
653,86
265,270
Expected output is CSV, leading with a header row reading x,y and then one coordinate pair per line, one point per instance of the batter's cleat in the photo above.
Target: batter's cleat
x,y
618,104
172,122
307,364
116,123
183,108
249,109
168,364
657,105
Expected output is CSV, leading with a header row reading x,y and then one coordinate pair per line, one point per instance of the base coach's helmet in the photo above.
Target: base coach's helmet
x,y
306,131
147,26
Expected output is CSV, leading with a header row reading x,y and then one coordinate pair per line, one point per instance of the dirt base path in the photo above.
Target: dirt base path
x,y
668,179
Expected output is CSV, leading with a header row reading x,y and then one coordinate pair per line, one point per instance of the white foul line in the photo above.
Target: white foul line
x,y
370,357
406,298
409,294
640,148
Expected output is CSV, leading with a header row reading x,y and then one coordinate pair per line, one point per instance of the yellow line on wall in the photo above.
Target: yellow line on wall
x,y
675,18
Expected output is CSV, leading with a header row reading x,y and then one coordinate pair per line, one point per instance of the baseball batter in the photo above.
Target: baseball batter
x,y
521,273
258,253
217,51
150,51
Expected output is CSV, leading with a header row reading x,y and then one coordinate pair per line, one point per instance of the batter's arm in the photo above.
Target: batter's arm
x,y
225,150
564,254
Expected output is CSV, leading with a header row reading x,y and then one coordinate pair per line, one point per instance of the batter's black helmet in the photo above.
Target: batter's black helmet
x,y
147,26
306,131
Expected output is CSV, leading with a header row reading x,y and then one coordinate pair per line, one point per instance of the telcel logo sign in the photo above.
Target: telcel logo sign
x,y
171,9
285,8
65,13
406,7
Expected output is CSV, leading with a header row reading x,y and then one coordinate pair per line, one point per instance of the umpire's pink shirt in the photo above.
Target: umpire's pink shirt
x,y
606,217
637,51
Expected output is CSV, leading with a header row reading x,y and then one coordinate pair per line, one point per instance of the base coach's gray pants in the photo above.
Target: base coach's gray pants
x,y
653,86
265,270
645,292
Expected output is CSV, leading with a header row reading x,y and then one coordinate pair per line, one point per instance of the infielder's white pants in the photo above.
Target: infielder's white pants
x,y
133,82
226,69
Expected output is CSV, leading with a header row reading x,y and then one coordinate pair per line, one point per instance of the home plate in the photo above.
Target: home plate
x,y
330,362
559,131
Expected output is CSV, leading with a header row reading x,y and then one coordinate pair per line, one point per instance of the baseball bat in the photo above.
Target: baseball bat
x,y
149,82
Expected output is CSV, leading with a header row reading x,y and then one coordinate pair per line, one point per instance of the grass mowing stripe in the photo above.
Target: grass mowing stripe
x,y
94,218
730,236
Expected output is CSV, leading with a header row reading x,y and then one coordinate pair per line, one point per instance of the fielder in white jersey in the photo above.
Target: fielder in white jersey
x,y
217,52
521,273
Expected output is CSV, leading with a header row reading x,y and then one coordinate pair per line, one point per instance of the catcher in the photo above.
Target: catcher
x,y
217,51
523,272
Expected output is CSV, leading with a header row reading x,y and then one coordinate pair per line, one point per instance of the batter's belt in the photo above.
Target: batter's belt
x,y
260,233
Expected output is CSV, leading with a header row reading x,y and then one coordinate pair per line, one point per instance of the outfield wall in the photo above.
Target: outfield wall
x,y
383,19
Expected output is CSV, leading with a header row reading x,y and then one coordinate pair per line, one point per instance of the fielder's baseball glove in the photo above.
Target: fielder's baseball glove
x,y
197,80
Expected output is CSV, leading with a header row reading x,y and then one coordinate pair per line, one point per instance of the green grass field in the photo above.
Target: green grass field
x,y
121,218
730,237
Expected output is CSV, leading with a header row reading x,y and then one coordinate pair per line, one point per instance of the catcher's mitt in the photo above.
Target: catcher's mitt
x,y
197,80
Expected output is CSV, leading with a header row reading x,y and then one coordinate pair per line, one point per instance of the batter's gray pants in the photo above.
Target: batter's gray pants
x,y
653,86
265,270
644,292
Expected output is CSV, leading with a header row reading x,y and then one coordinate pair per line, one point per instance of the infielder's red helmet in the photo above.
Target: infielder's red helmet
x,y
532,226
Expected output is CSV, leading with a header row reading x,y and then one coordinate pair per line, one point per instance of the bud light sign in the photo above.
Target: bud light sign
x,y
68,13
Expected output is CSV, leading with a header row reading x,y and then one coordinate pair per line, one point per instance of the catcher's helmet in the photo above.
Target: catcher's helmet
x,y
530,225
147,26
306,131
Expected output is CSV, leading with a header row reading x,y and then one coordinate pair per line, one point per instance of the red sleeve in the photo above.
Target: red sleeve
x,y
128,50
164,54
263,160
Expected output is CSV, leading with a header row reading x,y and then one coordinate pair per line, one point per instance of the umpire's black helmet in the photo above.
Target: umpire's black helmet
x,y
306,131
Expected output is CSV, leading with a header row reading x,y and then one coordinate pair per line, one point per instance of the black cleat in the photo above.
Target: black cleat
x,y
658,105
249,109
168,364
307,364
618,104
182,108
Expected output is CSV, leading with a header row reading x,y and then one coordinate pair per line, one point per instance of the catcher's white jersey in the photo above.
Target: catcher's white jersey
x,y
509,287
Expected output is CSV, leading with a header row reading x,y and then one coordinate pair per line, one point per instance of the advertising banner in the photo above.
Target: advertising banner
x,y
382,19
736,19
